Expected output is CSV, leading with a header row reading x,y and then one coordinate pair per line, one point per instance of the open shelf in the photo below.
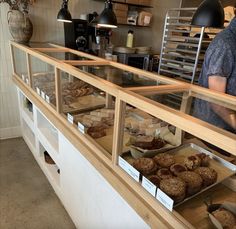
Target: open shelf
x,y
28,135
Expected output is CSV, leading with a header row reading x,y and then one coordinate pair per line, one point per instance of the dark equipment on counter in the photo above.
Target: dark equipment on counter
x,y
64,14
209,14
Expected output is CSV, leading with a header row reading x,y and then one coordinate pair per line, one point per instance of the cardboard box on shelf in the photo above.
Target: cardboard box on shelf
x,y
118,6
121,13
121,20
145,2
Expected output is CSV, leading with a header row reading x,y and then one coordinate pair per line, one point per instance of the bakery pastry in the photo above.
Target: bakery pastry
x,y
205,159
225,217
175,188
96,132
193,181
192,162
155,180
164,173
164,160
146,166
208,175
177,168
144,142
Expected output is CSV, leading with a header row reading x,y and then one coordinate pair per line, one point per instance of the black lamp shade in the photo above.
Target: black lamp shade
x,y
107,18
64,14
209,14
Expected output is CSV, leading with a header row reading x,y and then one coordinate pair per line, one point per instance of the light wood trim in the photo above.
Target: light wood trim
x,y
28,63
153,213
216,136
85,62
12,58
58,90
118,135
51,49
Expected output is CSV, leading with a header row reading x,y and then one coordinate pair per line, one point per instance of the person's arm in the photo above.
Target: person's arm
x,y
218,83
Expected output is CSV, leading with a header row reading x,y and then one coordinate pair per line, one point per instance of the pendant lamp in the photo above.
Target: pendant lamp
x,y
64,14
107,18
210,13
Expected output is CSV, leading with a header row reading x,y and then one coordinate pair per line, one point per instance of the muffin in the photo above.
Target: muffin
x,y
205,159
175,188
164,173
193,181
155,180
164,160
192,162
177,168
225,217
208,175
146,166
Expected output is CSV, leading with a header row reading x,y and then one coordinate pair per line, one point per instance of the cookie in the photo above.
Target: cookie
x,y
164,173
146,166
175,188
193,181
208,175
155,180
177,168
164,160
192,162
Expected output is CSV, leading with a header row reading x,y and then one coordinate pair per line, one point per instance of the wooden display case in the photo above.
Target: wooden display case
x,y
81,92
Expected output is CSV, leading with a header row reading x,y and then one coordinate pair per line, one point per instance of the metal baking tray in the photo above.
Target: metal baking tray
x,y
223,168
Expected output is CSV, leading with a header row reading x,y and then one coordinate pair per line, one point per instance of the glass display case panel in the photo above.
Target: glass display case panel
x,y
214,111
119,76
89,109
20,63
60,55
43,80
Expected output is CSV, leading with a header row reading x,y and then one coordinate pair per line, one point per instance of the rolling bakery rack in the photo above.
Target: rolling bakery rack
x,y
72,92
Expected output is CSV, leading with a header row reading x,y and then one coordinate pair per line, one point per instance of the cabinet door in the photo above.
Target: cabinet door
x,y
89,198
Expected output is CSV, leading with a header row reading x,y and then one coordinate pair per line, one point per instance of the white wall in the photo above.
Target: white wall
x,y
46,29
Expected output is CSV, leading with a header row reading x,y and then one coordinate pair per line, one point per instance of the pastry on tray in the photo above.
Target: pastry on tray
x,y
192,162
146,166
164,160
164,173
149,142
154,179
175,188
208,175
193,181
225,217
177,168
205,159
96,132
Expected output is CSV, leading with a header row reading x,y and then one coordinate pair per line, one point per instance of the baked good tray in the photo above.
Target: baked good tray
x,y
223,168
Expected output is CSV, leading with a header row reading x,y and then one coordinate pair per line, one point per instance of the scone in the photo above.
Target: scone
x,y
225,217
164,160
208,175
146,166
177,168
192,162
205,159
175,188
164,173
155,180
193,181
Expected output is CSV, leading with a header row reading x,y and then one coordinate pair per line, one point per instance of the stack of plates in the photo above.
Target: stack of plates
x,y
124,50
143,50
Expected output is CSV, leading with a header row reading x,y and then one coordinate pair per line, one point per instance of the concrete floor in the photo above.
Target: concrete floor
x,y
27,200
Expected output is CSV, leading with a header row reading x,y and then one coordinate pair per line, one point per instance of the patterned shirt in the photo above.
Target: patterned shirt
x,y
220,60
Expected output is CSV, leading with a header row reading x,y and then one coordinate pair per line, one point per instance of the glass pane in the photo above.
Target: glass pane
x,y
20,63
90,109
65,56
119,77
39,45
43,80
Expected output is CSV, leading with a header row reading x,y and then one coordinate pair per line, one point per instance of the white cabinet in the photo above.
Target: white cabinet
x,y
89,198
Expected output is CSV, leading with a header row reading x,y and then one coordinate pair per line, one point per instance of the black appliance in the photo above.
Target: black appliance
x,y
77,34
141,61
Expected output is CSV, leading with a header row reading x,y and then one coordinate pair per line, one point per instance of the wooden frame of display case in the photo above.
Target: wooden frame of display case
x,y
155,215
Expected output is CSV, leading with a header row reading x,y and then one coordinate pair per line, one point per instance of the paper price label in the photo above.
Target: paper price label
x,y
129,169
47,99
70,118
165,200
81,127
38,91
149,186
43,95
